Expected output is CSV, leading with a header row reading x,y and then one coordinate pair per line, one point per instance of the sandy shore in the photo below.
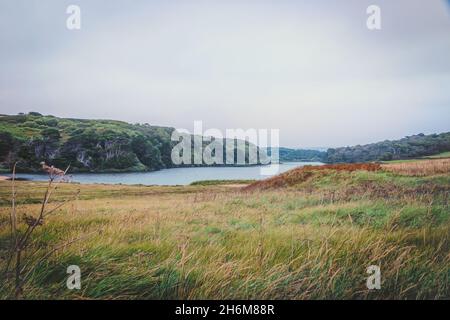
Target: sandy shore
x,y
3,178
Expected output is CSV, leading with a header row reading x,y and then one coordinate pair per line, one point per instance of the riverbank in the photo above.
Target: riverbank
x,y
174,176
8,178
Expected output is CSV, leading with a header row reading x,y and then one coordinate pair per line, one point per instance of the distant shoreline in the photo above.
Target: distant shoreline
x,y
172,176
130,170
6,178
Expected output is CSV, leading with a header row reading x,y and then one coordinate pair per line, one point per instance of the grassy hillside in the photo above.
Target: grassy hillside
x,y
439,155
87,145
311,237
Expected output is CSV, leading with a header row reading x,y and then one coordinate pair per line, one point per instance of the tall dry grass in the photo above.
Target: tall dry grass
x,y
420,168
314,240
23,258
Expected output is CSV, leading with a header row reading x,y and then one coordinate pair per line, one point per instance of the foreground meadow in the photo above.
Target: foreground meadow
x,y
311,234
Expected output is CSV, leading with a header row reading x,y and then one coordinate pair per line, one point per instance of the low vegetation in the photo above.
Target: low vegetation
x,y
420,168
221,182
312,237
442,155
305,173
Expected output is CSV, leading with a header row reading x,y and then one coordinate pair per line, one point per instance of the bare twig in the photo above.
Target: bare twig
x,y
13,210
48,193
20,243
13,223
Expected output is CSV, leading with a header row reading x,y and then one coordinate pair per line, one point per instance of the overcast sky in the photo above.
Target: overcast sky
x,y
309,68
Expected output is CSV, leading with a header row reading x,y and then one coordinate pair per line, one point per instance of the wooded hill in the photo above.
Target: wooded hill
x,y
415,146
87,145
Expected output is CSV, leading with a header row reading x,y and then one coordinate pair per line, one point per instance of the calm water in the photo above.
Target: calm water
x,y
176,176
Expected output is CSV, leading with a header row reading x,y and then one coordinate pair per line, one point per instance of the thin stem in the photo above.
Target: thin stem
x,y
13,211
18,289
13,222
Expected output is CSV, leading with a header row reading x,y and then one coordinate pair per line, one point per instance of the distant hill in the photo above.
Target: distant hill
x,y
415,146
410,147
87,145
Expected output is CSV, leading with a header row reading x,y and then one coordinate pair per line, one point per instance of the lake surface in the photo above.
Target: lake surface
x,y
175,176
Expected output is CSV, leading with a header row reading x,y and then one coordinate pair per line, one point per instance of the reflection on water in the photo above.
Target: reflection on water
x,y
176,176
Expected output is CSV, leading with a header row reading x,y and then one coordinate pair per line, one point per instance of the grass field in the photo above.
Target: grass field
x,y
309,235
440,155
443,155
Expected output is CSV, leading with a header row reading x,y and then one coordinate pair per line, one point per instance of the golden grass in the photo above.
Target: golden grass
x,y
420,168
215,242
298,175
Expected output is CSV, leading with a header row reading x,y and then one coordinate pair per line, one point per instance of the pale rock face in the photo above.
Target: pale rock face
x,y
83,158
43,149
